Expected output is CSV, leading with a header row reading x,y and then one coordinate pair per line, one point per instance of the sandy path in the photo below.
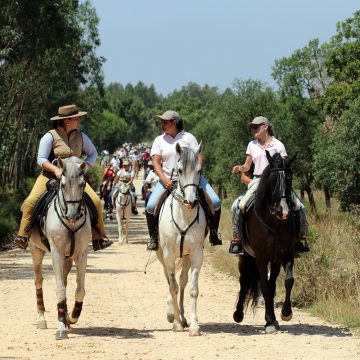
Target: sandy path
x,y
124,314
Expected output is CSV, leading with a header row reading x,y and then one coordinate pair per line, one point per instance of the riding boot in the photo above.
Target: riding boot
x,y
21,242
134,210
151,223
101,188
100,244
214,226
236,246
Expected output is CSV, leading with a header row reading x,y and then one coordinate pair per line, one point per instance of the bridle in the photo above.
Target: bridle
x,y
61,208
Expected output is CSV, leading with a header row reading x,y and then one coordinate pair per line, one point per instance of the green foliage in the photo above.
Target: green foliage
x,y
95,176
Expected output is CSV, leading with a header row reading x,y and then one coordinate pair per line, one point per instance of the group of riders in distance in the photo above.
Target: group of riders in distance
x,y
63,213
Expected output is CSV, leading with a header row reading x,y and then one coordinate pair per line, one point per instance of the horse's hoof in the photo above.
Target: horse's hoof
x,y
170,318
238,316
194,331
61,335
177,327
41,324
272,328
286,318
73,320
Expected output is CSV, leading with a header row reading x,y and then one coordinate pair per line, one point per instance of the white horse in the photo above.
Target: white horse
x,y
123,210
67,228
182,227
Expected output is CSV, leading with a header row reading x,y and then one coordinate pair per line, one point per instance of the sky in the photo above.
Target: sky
x,y
169,43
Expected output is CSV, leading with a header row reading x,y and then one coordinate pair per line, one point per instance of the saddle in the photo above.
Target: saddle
x,y
42,205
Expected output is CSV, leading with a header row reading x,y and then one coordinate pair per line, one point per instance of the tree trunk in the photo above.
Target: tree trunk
x,y
327,194
310,194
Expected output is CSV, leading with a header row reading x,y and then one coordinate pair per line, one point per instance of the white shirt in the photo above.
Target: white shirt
x,y
125,175
164,145
152,179
258,155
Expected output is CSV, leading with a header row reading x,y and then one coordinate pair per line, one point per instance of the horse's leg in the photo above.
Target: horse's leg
x,y
119,221
286,312
170,306
67,267
127,221
169,261
196,259
182,282
58,266
248,284
37,258
268,290
81,262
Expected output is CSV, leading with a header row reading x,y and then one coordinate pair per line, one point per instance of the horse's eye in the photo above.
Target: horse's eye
x,y
180,171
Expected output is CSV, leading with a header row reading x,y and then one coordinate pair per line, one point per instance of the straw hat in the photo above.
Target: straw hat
x,y
68,111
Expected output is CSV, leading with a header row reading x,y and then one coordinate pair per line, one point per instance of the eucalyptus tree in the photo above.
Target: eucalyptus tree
x,y
47,56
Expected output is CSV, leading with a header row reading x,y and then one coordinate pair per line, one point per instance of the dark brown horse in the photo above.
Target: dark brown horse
x,y
105,191
271,235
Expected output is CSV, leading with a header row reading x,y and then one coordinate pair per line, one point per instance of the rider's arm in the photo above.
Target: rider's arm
x,y
89,149
159,170
45,147
243,168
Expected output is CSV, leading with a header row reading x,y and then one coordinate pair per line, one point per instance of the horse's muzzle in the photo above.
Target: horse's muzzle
x,y
189,204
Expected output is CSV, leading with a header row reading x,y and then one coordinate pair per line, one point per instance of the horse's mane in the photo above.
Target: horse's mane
x,y
278,162
187,158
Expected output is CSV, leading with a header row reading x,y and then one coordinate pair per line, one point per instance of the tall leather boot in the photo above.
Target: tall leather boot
x,y
214,226
153,243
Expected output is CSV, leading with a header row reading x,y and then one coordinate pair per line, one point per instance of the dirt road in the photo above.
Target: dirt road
x,y
124,314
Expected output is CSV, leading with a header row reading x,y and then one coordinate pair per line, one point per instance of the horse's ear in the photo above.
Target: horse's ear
x,y
60,163
178,148
292,159
198,149
270,159
83,165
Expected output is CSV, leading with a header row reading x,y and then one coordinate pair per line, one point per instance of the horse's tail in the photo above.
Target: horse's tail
x,y
249,280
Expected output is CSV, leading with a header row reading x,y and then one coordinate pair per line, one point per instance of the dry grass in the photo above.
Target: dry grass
x,y
327,280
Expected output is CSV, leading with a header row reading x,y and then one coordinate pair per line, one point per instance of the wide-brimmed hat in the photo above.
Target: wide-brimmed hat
x,y
68,111
126,162
259,120
168,115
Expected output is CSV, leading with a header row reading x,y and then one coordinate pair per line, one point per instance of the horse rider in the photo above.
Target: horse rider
x,y
164,158
264,139
126,175
108,174
62,141
150,182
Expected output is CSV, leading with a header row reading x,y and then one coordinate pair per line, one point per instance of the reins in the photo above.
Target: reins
x,y
61,216
180,199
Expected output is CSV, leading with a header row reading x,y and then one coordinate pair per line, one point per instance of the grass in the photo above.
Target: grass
x,y
327,280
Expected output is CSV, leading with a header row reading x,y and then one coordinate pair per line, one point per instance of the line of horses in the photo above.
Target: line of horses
x,y
182,230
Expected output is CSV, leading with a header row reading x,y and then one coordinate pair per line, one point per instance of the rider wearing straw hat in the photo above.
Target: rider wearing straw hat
x,y
62,141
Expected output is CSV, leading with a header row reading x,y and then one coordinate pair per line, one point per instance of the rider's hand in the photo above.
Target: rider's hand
x,y
58,173
236,169
168,183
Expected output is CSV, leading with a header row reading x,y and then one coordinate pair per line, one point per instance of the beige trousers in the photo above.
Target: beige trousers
x,y
36,192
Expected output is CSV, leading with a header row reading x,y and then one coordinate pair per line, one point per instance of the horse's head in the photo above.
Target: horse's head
x,y
276,182
123,187
188,169
72,185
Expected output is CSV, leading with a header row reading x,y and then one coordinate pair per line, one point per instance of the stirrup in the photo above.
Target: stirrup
x,y
21,242
101,244
236,247
153,244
